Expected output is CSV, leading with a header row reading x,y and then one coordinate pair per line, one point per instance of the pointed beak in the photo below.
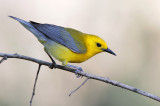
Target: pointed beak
x,y
109,51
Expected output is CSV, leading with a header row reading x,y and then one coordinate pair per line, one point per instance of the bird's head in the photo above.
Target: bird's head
x,y
98,45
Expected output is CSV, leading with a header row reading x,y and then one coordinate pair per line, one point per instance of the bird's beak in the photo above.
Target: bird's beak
x,y
109,51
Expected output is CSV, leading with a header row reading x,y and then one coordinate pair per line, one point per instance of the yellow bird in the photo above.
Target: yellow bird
x,y
65,44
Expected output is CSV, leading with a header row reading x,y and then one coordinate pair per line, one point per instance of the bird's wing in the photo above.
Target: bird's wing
x,y
79,38
60,35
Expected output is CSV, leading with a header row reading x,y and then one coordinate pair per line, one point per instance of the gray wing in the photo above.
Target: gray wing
x,y
57,34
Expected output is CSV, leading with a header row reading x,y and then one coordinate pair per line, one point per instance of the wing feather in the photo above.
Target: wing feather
x,y
60,35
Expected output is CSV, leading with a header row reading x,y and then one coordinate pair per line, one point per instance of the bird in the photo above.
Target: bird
x,y
66,44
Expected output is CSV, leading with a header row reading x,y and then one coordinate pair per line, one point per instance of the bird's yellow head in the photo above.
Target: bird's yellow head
x,y
97,45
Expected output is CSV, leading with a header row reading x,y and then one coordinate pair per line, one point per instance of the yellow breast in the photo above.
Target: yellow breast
x,y
65,55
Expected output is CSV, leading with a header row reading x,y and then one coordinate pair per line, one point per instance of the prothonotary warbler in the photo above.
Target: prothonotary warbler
x,y
66,44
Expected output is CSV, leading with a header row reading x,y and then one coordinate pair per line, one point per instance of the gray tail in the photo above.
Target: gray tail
x,y
24,23
31,28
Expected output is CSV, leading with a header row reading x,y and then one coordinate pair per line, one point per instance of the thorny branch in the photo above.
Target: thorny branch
x,y
90,76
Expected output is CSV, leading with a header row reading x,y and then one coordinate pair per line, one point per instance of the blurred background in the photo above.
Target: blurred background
x,y
131,29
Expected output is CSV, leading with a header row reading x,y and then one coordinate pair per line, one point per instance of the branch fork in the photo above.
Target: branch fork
x,y
5,56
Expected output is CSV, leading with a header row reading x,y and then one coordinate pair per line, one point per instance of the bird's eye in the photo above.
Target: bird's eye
x,y
98,44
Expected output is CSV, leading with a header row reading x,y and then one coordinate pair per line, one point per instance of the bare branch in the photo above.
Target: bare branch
x,y
79,86
4,58
34,87
91,76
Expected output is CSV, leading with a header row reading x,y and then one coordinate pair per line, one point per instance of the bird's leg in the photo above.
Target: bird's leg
x,y
53,62
77,70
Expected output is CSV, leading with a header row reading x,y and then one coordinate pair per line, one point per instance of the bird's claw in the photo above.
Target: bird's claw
x,y
79,69
52,65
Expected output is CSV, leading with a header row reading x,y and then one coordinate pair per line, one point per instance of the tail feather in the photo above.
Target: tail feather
x,y
31,28
24,23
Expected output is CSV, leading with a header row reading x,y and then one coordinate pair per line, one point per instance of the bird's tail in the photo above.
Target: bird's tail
x,y
24,23
31,28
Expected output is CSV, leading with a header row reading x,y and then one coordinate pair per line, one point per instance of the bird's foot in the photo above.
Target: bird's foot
x,y
78,69
53,62
52,65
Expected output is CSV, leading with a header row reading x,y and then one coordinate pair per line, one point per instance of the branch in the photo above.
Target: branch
x,y
90,76
79,86
34,87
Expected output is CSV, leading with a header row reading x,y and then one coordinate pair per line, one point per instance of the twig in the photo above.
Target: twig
x,y
79,86
91,76
34,87
4,58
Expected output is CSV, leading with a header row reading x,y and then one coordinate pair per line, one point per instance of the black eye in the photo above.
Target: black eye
x,y
98,44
